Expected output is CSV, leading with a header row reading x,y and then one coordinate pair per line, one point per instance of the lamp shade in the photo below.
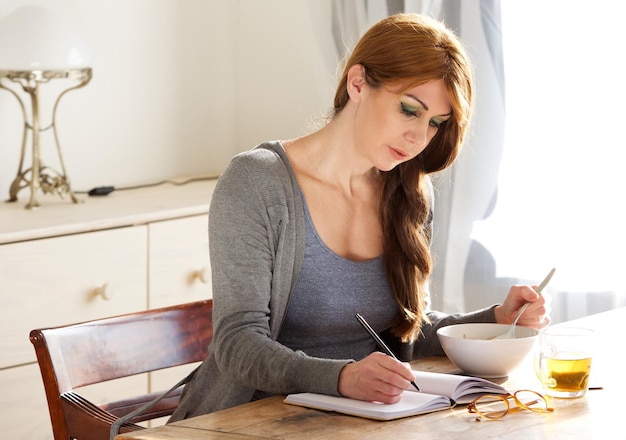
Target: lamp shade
x,y
37,38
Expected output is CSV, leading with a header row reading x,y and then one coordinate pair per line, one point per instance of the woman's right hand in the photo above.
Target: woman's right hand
x,y
378,377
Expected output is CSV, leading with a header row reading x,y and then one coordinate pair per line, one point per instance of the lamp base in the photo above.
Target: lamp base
x,y
37,176
49,181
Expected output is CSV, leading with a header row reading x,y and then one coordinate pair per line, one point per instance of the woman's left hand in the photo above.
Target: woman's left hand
x,y
537,315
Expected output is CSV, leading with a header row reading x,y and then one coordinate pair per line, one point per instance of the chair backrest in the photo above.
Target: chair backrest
x,y
92,352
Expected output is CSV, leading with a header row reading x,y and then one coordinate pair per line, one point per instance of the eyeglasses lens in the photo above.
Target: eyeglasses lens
x,y
491,407
531,400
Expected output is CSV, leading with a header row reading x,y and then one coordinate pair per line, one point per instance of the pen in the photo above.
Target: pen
x,y
380,342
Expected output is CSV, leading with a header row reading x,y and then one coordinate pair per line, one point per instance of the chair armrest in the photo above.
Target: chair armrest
x,y
163,408
87,420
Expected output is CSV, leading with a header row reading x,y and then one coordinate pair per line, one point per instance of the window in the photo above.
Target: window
x,y
562,179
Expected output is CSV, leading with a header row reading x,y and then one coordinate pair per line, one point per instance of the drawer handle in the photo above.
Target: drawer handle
x,y
102,292
203,275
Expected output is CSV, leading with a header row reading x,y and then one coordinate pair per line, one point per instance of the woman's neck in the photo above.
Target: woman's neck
x,y
330,156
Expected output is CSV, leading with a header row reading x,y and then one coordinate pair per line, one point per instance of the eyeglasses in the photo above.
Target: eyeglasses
x,y
493,406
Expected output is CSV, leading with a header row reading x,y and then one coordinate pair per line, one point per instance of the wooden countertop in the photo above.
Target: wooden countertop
x,y
57,216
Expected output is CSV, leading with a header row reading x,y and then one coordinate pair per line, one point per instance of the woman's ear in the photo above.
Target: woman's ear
x,y
356,82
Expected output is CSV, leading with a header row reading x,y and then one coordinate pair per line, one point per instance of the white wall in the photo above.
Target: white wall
x,y
179,86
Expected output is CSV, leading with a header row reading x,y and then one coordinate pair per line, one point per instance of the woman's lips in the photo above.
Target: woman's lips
x,y
398,154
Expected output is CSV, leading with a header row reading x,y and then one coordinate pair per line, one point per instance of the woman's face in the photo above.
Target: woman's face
x,y
394,125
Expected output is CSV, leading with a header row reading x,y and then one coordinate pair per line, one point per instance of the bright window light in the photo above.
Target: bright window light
x,y
562,180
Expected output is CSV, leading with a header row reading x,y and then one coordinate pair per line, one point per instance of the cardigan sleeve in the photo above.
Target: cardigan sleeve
x,y
428,344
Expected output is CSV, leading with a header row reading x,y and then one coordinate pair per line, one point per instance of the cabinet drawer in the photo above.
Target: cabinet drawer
x,y
55,281
179,270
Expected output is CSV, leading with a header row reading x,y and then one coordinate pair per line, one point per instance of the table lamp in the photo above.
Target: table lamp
x,y
38,45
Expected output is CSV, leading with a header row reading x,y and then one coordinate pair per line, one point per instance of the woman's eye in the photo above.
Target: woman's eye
x,y
409,110
435,123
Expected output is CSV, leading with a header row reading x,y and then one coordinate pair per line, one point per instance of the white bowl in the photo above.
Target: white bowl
x,y
472,348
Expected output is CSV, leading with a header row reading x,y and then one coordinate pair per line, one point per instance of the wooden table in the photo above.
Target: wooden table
x,y
596,415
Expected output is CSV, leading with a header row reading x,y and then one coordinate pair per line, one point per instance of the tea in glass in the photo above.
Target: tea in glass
x,y
563,361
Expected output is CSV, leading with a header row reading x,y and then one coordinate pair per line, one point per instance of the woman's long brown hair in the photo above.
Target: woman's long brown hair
x,y
408,50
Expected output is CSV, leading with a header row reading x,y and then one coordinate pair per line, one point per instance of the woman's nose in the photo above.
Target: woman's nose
x,y
418,135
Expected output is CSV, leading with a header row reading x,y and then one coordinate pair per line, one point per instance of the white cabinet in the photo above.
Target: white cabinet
x,y
66,263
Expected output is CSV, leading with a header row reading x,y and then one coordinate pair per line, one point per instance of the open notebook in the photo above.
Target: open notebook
x,y
438,391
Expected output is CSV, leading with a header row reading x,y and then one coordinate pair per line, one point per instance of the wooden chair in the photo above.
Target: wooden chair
x,y
82,354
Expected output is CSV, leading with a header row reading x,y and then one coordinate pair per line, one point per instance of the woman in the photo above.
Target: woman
x,y
307,232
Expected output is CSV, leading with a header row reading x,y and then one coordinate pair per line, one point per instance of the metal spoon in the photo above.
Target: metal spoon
x,y
510,333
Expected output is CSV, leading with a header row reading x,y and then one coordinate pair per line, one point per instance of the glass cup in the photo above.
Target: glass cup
x,y
563,360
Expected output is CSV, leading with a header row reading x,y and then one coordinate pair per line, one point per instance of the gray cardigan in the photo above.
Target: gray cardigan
x,y
257,241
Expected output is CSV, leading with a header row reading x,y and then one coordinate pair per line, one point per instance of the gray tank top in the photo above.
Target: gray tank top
x,y
329,291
